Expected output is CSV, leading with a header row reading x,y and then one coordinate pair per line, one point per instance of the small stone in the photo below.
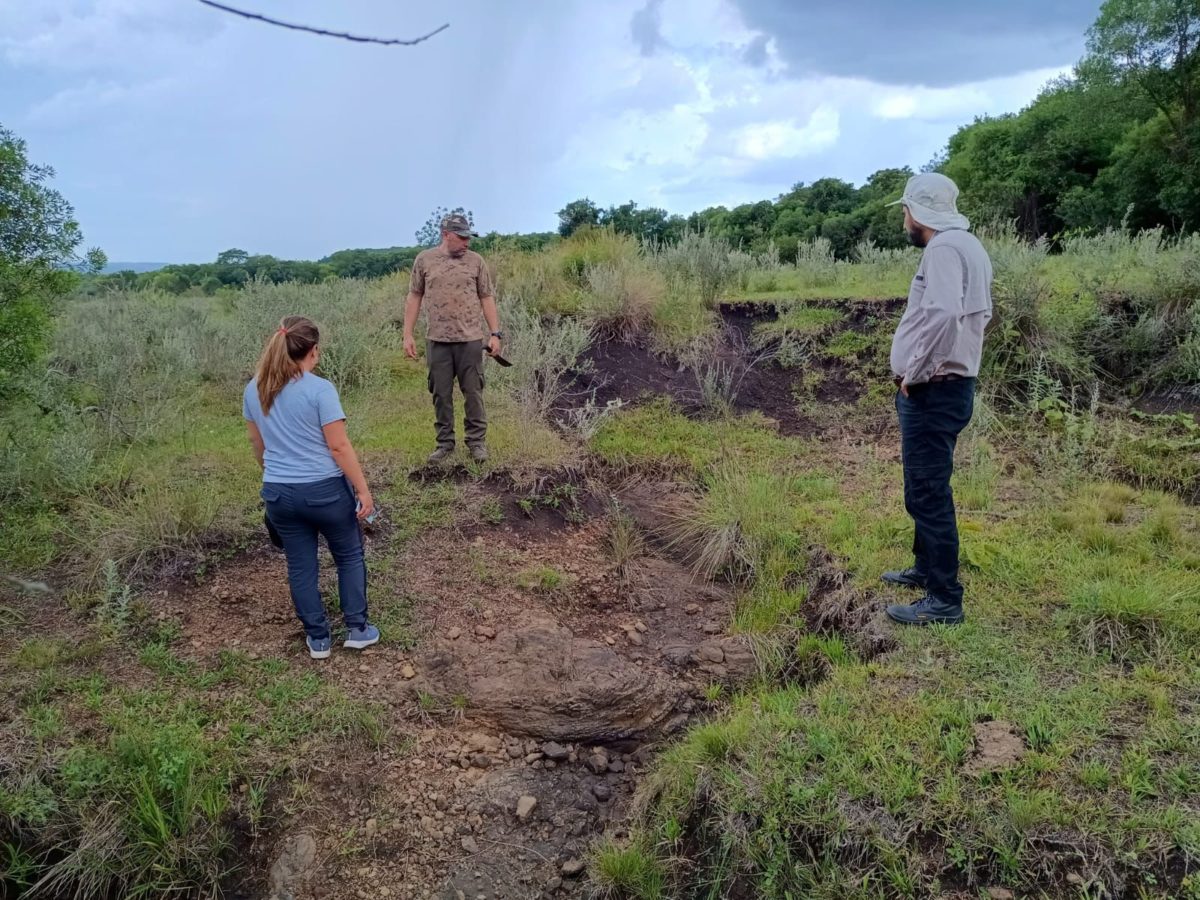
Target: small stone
x,y
999,893
407,672
469,845
485,631
710,653
514,752
692,608
531,758
573,868
549,764
610,640
602,791
712,628
481,761
634,638
371,827
641,626
553,884
525,807
555,751
1075,878
454,633
616,766
597,763
385,892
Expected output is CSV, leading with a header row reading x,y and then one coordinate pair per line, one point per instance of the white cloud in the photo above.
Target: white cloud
x,y
766,140
965,100
77,36
71,106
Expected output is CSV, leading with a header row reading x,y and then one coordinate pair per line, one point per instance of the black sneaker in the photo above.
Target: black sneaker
x,y
927,611
440,455
912,578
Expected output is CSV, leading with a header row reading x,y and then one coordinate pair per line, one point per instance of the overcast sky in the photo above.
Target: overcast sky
x,y
178,131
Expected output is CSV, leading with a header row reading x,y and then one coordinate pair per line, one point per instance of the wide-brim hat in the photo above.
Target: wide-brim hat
x,y
932,200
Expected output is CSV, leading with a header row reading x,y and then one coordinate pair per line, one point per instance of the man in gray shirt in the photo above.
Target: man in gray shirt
x,y
935,360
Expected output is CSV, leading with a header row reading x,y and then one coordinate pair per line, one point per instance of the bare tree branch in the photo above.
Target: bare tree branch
x,y
337,34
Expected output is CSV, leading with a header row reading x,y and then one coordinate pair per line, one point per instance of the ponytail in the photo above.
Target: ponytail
x,y
280,361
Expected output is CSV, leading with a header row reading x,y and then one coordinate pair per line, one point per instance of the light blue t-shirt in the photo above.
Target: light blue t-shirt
x,y
296,451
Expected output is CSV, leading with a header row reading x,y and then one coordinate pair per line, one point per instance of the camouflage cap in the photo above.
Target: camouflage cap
x,y
458,224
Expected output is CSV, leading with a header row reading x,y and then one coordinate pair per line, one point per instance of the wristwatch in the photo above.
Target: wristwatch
x,y
499,334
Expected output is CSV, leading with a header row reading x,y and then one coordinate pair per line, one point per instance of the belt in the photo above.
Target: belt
x,y
936,379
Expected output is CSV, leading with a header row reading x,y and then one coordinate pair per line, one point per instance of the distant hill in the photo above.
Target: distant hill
x,y
131,267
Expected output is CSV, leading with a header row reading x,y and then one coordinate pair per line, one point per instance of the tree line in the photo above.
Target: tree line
x,y
1116,143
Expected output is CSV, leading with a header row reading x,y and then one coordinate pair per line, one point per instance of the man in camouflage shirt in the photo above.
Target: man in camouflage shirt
x,y
454,284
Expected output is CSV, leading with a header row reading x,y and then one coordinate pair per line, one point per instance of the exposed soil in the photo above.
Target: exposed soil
x,y
1170,403
523,684
632,372
997,747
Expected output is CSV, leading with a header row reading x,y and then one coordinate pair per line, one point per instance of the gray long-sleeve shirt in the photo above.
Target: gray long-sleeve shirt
x,y
949,305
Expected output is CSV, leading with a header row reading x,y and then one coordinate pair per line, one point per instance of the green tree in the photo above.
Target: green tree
x,y
1155,44
38,241
576,215
232,257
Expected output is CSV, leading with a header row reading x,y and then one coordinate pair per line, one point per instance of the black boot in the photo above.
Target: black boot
x,y
912,578
927,611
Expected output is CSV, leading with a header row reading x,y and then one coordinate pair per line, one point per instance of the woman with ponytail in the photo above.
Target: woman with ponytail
x,y
311,477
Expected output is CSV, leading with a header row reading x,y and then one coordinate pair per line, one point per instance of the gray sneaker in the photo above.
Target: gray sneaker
x,y
479,453
360,638
440,455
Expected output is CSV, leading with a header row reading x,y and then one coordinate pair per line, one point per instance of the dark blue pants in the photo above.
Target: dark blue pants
x,y
931,417
301,512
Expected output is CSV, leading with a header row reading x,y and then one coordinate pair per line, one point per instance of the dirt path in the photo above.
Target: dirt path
x,y
542,677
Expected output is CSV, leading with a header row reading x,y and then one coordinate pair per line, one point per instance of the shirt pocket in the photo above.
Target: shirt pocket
x,y
916,291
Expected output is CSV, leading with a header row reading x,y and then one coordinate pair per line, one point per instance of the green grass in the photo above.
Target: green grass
x,y
836,772
804,321
139,782
1046,647
845,282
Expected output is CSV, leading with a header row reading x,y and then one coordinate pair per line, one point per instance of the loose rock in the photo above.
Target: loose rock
x,y
525,806
555,751
709,652
293,866
573,868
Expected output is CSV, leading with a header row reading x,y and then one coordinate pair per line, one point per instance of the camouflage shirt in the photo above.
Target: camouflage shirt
x,y
452,288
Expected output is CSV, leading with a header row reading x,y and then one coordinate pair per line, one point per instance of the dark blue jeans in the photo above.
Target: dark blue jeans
x,y
301,512
931,417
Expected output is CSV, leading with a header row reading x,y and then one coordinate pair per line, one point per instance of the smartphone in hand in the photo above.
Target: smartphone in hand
x,y
370,520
